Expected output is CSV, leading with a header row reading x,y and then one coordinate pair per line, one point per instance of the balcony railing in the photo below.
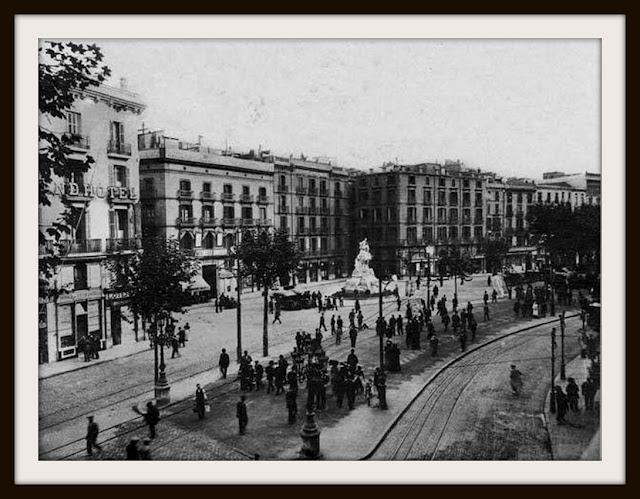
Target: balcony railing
x,y
208,196
185,222
231,222
78,141
442,202
338,194
313,210
122,148
263,222
313,191
325,211
228,196
324,192
302,210
132,244
209,222
302,230
184,194
246,198
282,188
247,222
453,220
283,209
301,190
263,199
82,246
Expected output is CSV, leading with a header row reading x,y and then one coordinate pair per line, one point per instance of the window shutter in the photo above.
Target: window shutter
x,y
87,222
126,172
137,217
112,224
132,223
111,175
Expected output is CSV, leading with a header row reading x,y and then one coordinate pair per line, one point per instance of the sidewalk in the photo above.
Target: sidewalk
x,y
132,348
579,438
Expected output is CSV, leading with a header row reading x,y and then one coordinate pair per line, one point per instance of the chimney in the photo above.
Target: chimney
x,y
123,83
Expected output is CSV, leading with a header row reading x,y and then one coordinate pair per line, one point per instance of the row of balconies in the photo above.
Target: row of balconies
x,y
310,191
224,197
440,240
113,147
93,246
222,222
309,210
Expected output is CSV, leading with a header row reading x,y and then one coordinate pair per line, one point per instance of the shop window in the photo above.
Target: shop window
x,y
80,275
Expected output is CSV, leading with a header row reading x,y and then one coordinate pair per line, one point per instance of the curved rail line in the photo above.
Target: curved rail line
x,y
212,396
444,374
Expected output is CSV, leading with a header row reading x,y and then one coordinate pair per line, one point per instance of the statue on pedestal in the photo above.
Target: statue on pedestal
x,y
363,280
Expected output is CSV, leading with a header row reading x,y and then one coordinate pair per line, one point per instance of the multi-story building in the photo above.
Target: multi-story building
x,y
590,183
411,214
312,203
103,121
204,198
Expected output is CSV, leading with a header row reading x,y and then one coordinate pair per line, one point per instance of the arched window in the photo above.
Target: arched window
x,y
186,242
208,241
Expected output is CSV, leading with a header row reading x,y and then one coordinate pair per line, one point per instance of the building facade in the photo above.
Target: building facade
x,y
204,198
414,214
103,123
312,202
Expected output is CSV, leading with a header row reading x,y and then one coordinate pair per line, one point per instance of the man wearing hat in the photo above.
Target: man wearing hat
x,y
133,453
92,435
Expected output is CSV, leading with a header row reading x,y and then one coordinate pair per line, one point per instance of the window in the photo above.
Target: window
x,y
247,213
120,176
185,185
453,198
186,212
411,214
228,212
478,219
301,244
283,201
186,242
208,241
262,192
530,198
539,197
226,188
427,196
441,182
323,185
496,196
300,182
442,198
364,214
74,123
246,190
477,232
427,234
75,177
412,180
300,201
453,233
412,235
376,181
324,244
207,213
313,223
300,223
314,244
453,216
479,184
465,184
363,182
392,233
338,188
442,233
263,213
453,182
117,132
324,224
377,214
411,194
427,215
283,222
466,199
391,180
556,197
548,197
282,181
519,198
377,196
80,276
466,216
509,197
466,232
442,215
206,187
391,214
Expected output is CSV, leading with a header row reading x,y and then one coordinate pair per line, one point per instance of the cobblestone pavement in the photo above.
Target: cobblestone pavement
x,y
75,393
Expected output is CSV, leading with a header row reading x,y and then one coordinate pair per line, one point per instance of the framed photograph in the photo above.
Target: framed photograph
x,y
301,249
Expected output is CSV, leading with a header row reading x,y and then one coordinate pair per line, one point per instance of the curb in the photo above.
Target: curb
x,y
395,421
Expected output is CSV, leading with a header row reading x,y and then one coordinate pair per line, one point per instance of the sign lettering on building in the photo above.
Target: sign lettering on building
x,y
90,190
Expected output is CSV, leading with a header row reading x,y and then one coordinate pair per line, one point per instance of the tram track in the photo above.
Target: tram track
x,y
400,437
221,389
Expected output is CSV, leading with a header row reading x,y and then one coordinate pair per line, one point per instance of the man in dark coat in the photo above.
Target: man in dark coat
x,y
561,405
271,373
92,435
175,346
353,335
292,404
151,417
241,414
589,391
573,395
352,360
132,449
200,401
223,363
258,372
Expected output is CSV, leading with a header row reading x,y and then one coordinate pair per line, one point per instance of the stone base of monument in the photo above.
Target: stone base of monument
x,y
361,286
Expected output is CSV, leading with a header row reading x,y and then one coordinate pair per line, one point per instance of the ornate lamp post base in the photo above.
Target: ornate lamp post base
x,y
310,438
162,389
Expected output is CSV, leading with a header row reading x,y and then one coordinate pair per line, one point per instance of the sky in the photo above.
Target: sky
x,y
515,107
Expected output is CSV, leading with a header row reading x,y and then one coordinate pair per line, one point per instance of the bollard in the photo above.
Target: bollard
x,y
310,437
162,389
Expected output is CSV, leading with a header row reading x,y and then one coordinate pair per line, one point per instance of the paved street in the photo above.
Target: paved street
x,y
66,398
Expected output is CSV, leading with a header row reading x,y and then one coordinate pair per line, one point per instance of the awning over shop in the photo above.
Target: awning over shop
x,y
226,274
197,283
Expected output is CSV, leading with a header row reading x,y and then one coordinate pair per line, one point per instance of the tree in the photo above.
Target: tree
x,y
456,264
64,69
154,279
565,234
267,257
494,251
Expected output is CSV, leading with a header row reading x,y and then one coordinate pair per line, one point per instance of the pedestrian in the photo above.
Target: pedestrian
x,y
380,382
515,378
434,345
322,324
182,337
485,297
200,402
494,296
473,326
279,378
258,372
95,345
339,335
399,303
333,324
509,291
516,307
292,380
561,405
463,341
223,363
368,392
133,454
360,319
489,280
351,390
352,360
241,414
435,291
271,305
246,358
144,451
175,345
357,305
292,404
486,312
152,417
399,324
277,316
353,335
589,391
92,435
573,395
271,373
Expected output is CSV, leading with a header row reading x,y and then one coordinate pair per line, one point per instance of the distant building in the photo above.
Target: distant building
x,y
589,183
204,198
411,214
104,121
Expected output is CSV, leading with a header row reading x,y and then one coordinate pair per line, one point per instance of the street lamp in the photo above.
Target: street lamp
x,y
234,251
379,326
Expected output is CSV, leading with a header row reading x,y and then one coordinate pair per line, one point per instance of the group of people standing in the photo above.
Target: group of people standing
x,y
89,345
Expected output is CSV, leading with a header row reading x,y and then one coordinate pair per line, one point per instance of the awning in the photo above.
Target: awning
x,y
197,283
225,274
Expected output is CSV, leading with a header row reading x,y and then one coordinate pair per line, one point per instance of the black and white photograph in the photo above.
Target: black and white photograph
x,y
309,250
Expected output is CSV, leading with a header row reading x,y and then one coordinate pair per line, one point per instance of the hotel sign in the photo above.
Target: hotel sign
x,y
91,190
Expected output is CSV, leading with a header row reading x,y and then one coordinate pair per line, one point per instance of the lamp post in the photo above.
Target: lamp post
x,y
552,402
234,251
563,374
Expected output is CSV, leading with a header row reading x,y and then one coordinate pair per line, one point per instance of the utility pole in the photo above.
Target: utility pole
x,y
552,405
563,374
379,326
238,310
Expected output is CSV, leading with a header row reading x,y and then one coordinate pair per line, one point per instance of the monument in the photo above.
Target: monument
x,y
363,281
